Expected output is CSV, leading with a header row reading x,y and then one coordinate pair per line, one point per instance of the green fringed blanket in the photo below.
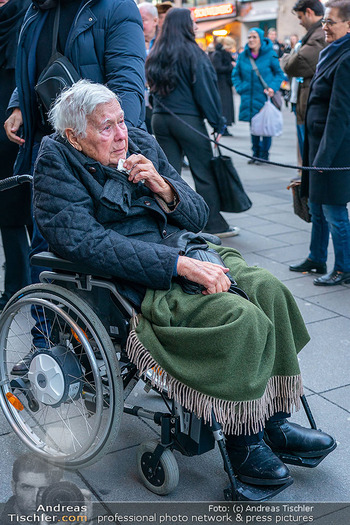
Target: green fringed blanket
x,y
221,352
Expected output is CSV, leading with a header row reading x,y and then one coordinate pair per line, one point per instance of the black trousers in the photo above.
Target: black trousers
x,y
176,139
16,250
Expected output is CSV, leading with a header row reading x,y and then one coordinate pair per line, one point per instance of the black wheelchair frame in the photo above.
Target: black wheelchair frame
x,y
68,407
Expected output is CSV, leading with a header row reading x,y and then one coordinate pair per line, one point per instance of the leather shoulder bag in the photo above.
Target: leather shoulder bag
x,y
58,74
194,246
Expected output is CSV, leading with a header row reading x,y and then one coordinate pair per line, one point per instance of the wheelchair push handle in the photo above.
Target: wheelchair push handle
x,y
16,180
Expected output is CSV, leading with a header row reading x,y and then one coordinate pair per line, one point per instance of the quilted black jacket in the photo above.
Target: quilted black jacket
x,y
92,214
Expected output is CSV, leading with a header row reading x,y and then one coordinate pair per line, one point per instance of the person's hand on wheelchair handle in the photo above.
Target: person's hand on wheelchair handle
x,y
211,276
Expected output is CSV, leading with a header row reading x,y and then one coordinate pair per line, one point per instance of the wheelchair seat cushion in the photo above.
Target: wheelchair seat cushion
x,y
221,353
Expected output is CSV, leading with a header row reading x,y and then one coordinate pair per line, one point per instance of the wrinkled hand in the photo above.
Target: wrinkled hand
x,y
12,125
269,92
140,169
212,276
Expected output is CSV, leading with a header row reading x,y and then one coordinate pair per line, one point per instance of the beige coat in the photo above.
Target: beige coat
x,y
303,64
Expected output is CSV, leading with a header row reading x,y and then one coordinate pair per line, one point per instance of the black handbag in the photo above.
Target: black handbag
x,y
233,198
194,246
300,204
58,74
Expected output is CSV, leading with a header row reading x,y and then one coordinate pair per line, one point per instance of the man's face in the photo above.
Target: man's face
x,y
149,24
304,19
26,490
272,35
106,135
161,20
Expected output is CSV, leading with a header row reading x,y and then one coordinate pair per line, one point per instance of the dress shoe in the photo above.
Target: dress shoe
x,y
253,161
226,133
333,278
21,368
285,437
309,266
257,464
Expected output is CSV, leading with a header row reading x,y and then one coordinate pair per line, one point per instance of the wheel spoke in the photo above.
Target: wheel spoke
x,y
69,408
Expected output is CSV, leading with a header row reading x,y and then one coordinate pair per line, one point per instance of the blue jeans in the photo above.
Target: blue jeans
x,y
334,219
301,138
261,146
300,132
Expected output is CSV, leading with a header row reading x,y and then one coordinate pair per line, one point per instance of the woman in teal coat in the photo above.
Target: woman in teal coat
x,y
249,86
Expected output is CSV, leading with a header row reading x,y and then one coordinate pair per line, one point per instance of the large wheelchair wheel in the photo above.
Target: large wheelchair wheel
x,y
68,406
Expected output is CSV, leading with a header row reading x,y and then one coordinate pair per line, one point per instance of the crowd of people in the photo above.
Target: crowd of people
x,y
136,61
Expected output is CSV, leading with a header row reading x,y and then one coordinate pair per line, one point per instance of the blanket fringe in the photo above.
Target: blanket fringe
x,y
282,393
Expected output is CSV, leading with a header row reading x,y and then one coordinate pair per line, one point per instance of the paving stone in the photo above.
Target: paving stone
x,y
338,300
250,242
325,361
273,229
340,396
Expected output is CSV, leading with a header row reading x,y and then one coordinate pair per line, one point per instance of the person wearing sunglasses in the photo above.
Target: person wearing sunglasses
x,y
327,130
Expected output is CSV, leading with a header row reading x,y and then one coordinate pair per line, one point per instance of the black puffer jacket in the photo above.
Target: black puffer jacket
x,y
92,214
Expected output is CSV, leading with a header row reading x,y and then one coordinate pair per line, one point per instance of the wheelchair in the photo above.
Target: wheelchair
x,y
68,407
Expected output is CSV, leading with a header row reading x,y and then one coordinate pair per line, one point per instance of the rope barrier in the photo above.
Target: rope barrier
x,y
271,163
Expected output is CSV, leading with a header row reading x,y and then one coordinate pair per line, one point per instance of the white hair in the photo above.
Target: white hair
x,y
150,8
72,107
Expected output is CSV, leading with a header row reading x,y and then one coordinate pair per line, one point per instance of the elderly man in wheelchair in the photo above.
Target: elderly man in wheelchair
x,y
217,338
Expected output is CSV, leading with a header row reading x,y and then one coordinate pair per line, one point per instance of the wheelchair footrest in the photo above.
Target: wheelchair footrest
x,y
245,492
290,459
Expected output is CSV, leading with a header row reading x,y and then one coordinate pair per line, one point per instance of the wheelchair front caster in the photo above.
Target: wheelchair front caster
x,y
162,476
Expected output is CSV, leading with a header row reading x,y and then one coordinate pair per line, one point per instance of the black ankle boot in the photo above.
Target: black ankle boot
x,y
257,464
285,437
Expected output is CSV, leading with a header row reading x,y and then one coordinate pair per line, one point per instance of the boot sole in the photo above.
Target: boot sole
x,y
312,454
307,271
346,281
264,482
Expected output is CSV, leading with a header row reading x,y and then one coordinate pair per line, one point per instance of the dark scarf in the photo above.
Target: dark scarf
x,y
11,17
328,52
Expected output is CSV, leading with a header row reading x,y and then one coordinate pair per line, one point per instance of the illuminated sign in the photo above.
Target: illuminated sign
x,y
213,11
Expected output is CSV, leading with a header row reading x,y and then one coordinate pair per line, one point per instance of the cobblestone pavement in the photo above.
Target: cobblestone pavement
x,y
271,237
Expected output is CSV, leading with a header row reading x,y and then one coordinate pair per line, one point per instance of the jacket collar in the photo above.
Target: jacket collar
x,y
332,53
312,29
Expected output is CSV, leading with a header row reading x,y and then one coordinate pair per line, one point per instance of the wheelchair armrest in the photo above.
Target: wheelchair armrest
x,y
50,260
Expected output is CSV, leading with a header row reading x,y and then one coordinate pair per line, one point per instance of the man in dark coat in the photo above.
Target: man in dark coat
x,y
302,63
327,129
